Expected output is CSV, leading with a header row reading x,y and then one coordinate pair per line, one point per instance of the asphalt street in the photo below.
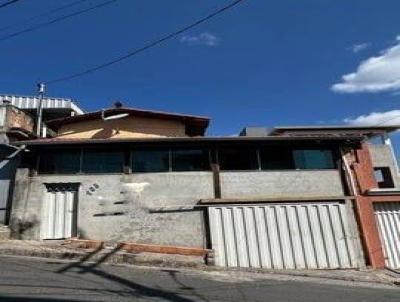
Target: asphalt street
x,y
32,279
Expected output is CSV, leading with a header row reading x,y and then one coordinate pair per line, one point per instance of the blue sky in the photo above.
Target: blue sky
x,y
264,63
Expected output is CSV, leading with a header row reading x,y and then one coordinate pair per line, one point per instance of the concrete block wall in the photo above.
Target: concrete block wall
x,y
26,206
119,207
4,233
122,207
7,171
313,183
382,156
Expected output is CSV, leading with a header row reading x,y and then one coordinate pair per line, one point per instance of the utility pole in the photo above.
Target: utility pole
x,y
41,89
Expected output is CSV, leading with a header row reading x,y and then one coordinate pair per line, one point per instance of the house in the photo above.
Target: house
x,y
282,198
372,175
122,123
18,122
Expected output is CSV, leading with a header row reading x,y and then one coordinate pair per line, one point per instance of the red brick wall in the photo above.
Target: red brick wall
x,y
364,204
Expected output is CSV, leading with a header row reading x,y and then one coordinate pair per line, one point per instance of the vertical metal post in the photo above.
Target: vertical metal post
x,y
41,90
216,181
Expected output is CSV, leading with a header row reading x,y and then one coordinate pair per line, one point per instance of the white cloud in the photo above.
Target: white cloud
x,y
387,118
207,39
376,74
359,47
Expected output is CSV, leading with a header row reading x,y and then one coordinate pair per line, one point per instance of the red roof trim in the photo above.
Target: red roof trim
x,y
55,141
158,114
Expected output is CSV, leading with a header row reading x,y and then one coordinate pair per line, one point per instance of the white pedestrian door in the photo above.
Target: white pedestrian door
x,y
59,211
387,215
303,235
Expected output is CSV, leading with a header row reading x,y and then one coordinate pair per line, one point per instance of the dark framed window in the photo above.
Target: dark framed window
x,y
99,161
150,161
190,160
59,161
314,159
383,177
238,159
276,158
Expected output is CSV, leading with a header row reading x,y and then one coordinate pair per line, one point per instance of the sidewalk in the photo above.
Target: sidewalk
x,y
112,255
108,254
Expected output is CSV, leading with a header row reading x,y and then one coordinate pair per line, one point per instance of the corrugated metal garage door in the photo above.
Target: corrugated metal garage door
x,y
284,236
58,212
387,216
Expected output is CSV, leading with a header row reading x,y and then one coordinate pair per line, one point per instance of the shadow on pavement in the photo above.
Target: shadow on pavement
x,y
138,290
81,261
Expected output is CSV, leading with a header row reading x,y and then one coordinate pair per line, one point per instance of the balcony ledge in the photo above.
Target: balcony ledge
x,y
386,191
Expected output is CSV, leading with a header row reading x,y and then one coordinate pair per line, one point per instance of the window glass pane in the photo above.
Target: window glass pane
x,y
102,161
150,161
190,160
276,158
313,159
59,161
238,159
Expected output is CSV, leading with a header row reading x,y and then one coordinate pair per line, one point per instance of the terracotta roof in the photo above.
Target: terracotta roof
x,y
195,125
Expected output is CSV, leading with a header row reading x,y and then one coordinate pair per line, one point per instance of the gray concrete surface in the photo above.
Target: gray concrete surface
x,y
118,207
4,232
132,197
112,255
59,249
258,184
27,279
7,171
382,157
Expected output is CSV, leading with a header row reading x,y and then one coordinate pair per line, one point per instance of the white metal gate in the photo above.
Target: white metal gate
x,y
59,211
306,235
387,215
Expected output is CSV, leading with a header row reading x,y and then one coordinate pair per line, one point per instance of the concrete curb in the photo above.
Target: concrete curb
x,y
107,256
110,256
370,276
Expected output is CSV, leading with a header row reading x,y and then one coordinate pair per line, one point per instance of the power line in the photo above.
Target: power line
x,y
8,3
44,14
148,45
44,24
